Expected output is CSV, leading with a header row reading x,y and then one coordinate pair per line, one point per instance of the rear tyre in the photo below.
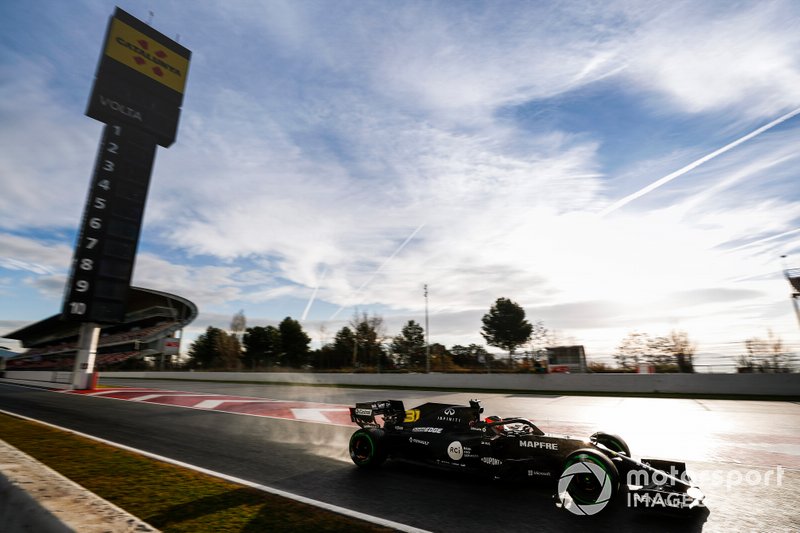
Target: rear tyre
x,y
367,448
588,482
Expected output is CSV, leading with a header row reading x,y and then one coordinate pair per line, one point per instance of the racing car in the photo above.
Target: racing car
x,y
589,472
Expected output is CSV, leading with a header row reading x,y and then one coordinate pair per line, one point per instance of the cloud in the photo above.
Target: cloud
x,y
705,57
314,143
49,147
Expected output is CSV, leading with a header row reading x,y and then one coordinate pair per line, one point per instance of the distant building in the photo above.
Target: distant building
x,y
566,359
149,337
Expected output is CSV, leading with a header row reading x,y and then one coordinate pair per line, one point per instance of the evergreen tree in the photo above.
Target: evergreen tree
x,y
215,349
294,343
262,346
504,326
409,346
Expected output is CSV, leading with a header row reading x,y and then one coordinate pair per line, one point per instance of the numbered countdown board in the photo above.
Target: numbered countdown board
x,y
102,265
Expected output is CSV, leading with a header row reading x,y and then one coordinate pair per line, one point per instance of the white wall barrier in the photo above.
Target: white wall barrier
x,y
776,385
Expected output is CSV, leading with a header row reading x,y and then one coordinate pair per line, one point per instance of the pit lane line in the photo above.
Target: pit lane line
x,y
264,488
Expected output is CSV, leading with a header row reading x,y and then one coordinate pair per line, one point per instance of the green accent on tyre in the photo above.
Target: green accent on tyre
x,y
354,440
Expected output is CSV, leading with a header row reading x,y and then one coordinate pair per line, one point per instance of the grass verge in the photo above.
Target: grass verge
x,y
168,497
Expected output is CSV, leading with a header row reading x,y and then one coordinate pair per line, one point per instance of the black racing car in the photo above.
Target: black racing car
x,y
588,472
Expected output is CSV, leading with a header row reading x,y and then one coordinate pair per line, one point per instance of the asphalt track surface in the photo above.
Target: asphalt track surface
x,y
732,449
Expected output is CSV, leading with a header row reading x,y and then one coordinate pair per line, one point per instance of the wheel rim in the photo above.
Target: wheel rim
x,y
585,488
361,448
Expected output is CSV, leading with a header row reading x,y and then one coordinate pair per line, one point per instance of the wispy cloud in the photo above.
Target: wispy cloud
x,y
314,143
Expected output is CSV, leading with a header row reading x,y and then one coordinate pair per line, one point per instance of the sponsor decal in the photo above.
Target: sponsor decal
x,y
540,444
364,412
492,461
412,440
450,463
427,430
377,406
146,56
411,416
455,451
449,411
538,473
448,418
120,108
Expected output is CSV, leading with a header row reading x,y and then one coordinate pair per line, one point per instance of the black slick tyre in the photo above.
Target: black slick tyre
x,y
614,443
367,448
590,480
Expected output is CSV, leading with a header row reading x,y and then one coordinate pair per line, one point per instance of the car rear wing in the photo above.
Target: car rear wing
x,y
363,414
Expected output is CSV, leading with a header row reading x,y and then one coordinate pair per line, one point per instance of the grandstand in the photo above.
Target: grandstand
x,y
148,337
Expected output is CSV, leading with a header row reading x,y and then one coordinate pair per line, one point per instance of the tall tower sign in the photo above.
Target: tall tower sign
x,y
138,93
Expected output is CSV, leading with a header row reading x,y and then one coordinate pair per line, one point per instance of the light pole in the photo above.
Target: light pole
x,y
427,336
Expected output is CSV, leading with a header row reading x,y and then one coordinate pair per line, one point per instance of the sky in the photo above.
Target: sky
x,y
612,167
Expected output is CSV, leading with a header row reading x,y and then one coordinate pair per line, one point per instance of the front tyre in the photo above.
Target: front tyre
x,y
588,482
367,448
612,442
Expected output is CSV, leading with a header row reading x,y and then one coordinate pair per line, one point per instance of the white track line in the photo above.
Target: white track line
x,y
271,490
316,415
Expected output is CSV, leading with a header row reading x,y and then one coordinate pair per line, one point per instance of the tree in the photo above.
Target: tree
x,y
294,343
370,333
441,360
203,350
472,356
764,355
540,338
238,324
230,351
262,346
683,349
215,349
504,326
409,346
659,352
632,350
341,354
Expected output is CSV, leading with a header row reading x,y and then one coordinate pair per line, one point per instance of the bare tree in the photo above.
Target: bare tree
x,y
632,350
238,325
764,355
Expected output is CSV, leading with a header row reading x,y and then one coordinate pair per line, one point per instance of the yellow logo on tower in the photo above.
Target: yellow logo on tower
x,y
146,56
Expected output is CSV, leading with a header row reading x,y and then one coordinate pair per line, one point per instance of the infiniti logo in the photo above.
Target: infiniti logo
x,y
449,411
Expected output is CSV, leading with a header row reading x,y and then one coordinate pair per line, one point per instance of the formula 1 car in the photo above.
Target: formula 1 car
x,y
588,473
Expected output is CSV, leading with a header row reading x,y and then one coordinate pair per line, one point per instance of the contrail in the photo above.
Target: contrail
x,y
380,268
766,239
691,166
314,294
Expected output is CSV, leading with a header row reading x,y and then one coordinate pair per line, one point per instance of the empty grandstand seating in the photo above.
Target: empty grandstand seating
x,y
152,316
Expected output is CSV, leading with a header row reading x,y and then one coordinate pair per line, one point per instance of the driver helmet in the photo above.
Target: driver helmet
x,y
498,429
